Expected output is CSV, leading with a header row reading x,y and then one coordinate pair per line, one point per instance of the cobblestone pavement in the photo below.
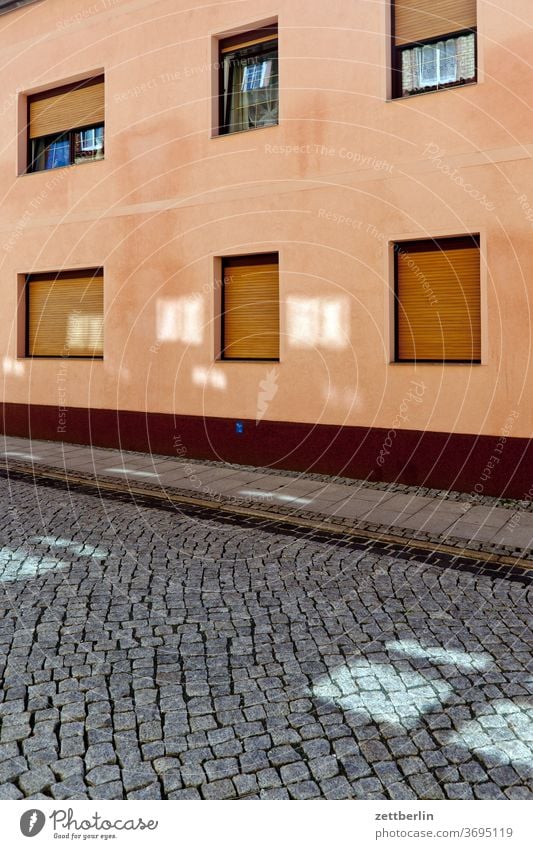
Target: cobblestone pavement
x,y
150,653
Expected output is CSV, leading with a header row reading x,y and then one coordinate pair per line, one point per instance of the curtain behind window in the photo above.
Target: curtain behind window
x,y
251,83
438,64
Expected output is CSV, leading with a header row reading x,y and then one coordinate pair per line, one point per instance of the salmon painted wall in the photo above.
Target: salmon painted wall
x,y
345,172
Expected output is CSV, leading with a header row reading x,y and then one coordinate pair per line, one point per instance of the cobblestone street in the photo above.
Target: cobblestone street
x,y
151,653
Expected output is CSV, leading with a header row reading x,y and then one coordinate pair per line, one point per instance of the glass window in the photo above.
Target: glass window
x,y
250,95
438,64
448,61
66,124
58,152
88,144
68,148
50,152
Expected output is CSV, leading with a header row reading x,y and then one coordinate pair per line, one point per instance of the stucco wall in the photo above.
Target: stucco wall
x,y
346,172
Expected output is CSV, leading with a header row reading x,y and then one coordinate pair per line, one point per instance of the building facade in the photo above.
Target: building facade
x,y
293,234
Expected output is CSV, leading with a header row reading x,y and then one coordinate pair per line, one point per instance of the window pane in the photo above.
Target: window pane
x,y
88,144
38,158
257,75
58,153
441,63
51,152
447,62
466,56
251,95
428,65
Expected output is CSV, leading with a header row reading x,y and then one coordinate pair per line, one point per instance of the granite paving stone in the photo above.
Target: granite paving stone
x,y
178,653
72,788
35,780
10,791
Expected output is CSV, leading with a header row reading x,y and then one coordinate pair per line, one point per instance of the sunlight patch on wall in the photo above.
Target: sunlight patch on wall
x,y
317,322
119,371
180,320
203,376
11,366
342,397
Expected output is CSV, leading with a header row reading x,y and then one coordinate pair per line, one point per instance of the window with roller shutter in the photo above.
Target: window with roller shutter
x,y
65,314
66,125
438,300
434,45
250,308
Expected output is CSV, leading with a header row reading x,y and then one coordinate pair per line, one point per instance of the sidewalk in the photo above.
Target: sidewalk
x,y
463,521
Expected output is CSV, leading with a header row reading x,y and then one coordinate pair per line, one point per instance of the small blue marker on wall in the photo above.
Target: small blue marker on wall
x,y
239,427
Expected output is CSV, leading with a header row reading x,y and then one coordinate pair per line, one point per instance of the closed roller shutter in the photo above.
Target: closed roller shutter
x,y
421,20
57,112
66,315
438,300
251,308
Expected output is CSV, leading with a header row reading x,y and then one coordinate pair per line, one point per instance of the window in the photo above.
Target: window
x,y
88,144
250,308
438,300
434,45
65,314
66,126
249,95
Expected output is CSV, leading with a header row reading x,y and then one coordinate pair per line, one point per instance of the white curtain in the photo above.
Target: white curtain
x,y
437,64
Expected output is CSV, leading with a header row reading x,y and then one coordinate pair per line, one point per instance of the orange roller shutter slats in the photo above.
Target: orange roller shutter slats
x,y
66,316
421,20
251,311
76,107
438,303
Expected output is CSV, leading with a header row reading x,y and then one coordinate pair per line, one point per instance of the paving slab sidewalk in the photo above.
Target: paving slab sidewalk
x,y
443,517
